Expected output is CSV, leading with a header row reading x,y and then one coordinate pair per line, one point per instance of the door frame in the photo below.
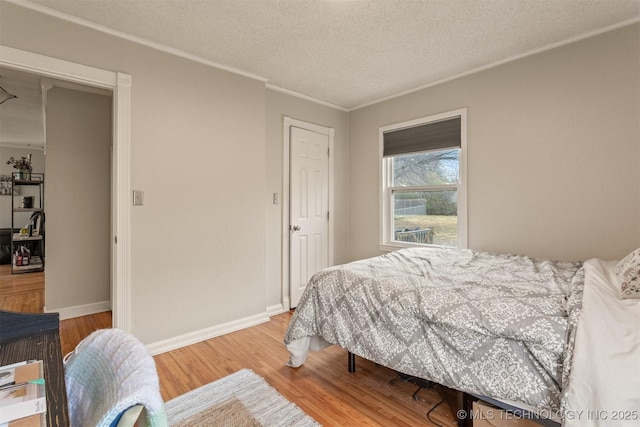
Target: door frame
x,y
288,123
120,85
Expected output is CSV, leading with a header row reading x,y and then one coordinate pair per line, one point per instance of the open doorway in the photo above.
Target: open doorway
x,y
65,132
119,84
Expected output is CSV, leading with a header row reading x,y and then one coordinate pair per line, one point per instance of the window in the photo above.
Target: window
x,y
423,182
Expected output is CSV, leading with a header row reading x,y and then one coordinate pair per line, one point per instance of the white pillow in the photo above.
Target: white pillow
x,y
628,271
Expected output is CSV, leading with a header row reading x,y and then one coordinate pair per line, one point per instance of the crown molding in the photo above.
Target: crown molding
x,y
139,40
157,46
305,97
504,61
180,53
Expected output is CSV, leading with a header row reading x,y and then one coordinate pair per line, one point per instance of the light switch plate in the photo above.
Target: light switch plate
x,y
138,197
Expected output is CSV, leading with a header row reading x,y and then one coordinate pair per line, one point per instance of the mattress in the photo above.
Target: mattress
x,y
488,324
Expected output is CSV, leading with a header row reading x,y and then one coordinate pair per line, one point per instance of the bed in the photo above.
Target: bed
x,y
494,325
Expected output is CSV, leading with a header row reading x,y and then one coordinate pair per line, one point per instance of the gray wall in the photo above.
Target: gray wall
x,y
553,152
78,199
198,152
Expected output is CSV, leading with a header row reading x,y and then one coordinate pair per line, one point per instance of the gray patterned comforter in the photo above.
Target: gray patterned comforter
x,y
496,325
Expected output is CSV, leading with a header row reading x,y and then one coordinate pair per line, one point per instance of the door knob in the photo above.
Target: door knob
x,y
296,228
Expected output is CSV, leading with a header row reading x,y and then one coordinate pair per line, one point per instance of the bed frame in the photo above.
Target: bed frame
x,y
462,401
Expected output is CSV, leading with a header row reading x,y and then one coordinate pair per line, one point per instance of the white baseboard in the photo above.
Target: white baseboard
x,y
81,310
275,309
207,333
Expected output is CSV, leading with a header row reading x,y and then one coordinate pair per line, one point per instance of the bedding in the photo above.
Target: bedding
x,y
489,324
604,385
628,271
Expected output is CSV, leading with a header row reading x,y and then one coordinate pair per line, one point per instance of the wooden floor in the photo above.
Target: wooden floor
x,y
322,387
21,292
25,293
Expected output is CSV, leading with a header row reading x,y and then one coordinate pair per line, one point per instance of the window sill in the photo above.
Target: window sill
x,y
394,246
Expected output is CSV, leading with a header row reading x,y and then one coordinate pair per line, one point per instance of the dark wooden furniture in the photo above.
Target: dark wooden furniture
x,y
26,336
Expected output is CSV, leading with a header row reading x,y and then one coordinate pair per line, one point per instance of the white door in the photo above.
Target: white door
x,y
309,208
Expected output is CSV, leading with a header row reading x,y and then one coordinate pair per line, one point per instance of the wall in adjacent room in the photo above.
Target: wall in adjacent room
x,y
78,200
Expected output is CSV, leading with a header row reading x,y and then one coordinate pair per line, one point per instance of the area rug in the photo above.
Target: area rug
x,y
240,399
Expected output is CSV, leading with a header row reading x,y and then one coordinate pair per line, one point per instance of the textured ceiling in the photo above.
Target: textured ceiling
x,y
353,52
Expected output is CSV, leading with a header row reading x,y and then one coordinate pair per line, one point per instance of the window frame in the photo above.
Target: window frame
x,y
386,188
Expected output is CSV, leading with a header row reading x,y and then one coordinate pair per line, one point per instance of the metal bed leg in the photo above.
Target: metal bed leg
x,y
352,362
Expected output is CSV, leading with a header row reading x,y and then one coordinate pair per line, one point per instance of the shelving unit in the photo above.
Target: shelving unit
x,y
28,222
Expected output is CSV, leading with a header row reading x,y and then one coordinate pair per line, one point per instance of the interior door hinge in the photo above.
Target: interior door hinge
x,y
328,151
327,215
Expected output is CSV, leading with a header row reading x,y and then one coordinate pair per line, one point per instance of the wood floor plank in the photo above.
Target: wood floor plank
x,y
322,387
21,292
72,331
